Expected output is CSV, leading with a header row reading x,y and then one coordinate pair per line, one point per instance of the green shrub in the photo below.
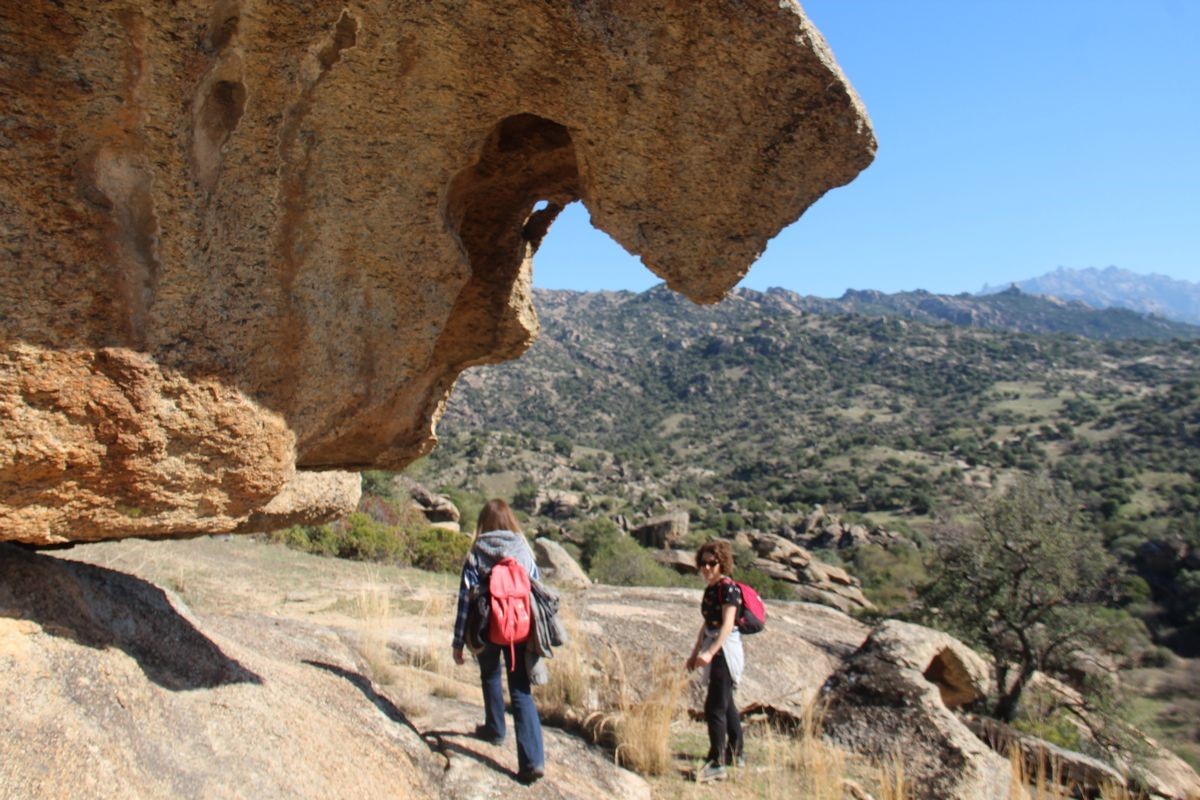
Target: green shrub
x,y
620,561
378,483
891,577
439,550
1058,728
362,538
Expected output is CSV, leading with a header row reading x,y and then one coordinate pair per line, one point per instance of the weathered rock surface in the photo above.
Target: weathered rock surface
x,y
438,509
280,677
113,688
786,668
896,694
1155,770
662,532
557,566
309,498
237,238
811,578
1088,775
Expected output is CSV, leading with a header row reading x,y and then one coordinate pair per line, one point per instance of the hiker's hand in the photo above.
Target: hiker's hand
x,y
458,656
691,663
704,658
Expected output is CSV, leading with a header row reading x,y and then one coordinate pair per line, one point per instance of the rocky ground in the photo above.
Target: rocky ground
x,y
229,667
248,674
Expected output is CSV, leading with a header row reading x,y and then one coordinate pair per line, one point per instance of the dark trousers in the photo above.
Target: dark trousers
x,y
721,714
525,716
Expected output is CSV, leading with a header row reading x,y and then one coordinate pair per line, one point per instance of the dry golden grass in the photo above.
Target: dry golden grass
x,y
800,763
641,722
373,607
1044,782
627,710
566,695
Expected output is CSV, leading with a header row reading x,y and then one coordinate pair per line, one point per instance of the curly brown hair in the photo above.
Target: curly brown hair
x,y
718,549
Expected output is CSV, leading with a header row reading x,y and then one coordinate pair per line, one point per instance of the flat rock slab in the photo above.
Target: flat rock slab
x,y
114,688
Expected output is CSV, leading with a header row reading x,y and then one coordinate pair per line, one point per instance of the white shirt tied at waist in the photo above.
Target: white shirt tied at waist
x,y
735,658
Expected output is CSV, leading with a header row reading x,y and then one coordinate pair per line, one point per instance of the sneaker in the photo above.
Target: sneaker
x,y
711,771
730,761
531,775
484,733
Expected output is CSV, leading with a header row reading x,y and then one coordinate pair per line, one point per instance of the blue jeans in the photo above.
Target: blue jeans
x,y
528,727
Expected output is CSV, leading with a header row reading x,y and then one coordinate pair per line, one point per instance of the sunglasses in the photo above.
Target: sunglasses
x,y
708,562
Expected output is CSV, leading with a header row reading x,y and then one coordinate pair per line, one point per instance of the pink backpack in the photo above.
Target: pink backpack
x,y
752,616
508,588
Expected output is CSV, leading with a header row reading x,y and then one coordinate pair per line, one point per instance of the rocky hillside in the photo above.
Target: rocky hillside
x,y
1113,287
748,413
1023,310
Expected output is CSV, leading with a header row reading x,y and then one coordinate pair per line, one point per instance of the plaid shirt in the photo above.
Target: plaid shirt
x,y
469,580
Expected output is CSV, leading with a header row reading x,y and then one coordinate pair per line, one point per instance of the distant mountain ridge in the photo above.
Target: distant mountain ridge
x,y
1113,287
1009,310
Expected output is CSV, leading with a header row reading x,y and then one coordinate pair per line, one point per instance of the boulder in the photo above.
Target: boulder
x,y
899,691
240,239
557,566
772,547
436,508
1088,776
857,535
310,498
559,504
812,579
662,532
682,561
1153,769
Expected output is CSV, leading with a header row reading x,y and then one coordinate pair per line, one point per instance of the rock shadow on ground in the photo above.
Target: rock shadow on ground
x,y
102,608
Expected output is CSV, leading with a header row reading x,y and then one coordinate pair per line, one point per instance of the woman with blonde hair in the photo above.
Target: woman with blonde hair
x,y
718,651
498,536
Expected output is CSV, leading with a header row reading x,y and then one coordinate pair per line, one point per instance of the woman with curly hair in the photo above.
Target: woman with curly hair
x,y
718,651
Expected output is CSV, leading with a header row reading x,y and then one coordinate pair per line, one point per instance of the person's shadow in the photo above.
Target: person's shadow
x,y
441,742
101,608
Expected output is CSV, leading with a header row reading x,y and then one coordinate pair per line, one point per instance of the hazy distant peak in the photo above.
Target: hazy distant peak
x,y
1113,287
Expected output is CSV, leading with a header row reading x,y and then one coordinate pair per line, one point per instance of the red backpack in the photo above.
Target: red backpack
x,y
508,588
752,615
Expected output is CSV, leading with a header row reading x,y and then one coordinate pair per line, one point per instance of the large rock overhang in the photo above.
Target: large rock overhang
x,y
238,238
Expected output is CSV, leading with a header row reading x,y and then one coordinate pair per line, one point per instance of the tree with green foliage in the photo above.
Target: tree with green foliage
x,y
525,497
1027,583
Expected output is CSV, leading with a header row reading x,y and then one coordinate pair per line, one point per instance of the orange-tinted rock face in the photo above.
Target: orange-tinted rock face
x,y
292,225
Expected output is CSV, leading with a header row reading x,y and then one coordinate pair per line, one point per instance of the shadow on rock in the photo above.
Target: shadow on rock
x,y
447,746
436,741
363,685
102,608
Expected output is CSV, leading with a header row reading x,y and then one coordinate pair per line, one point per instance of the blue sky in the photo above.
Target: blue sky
x,y
1014,137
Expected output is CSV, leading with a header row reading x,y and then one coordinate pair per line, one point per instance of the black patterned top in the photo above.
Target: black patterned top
x,y
716,597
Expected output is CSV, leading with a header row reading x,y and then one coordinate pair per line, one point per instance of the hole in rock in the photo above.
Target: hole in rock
x,y
499,209
952,678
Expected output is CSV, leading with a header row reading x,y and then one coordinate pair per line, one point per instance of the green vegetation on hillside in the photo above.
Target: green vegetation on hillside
x,y
750,412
